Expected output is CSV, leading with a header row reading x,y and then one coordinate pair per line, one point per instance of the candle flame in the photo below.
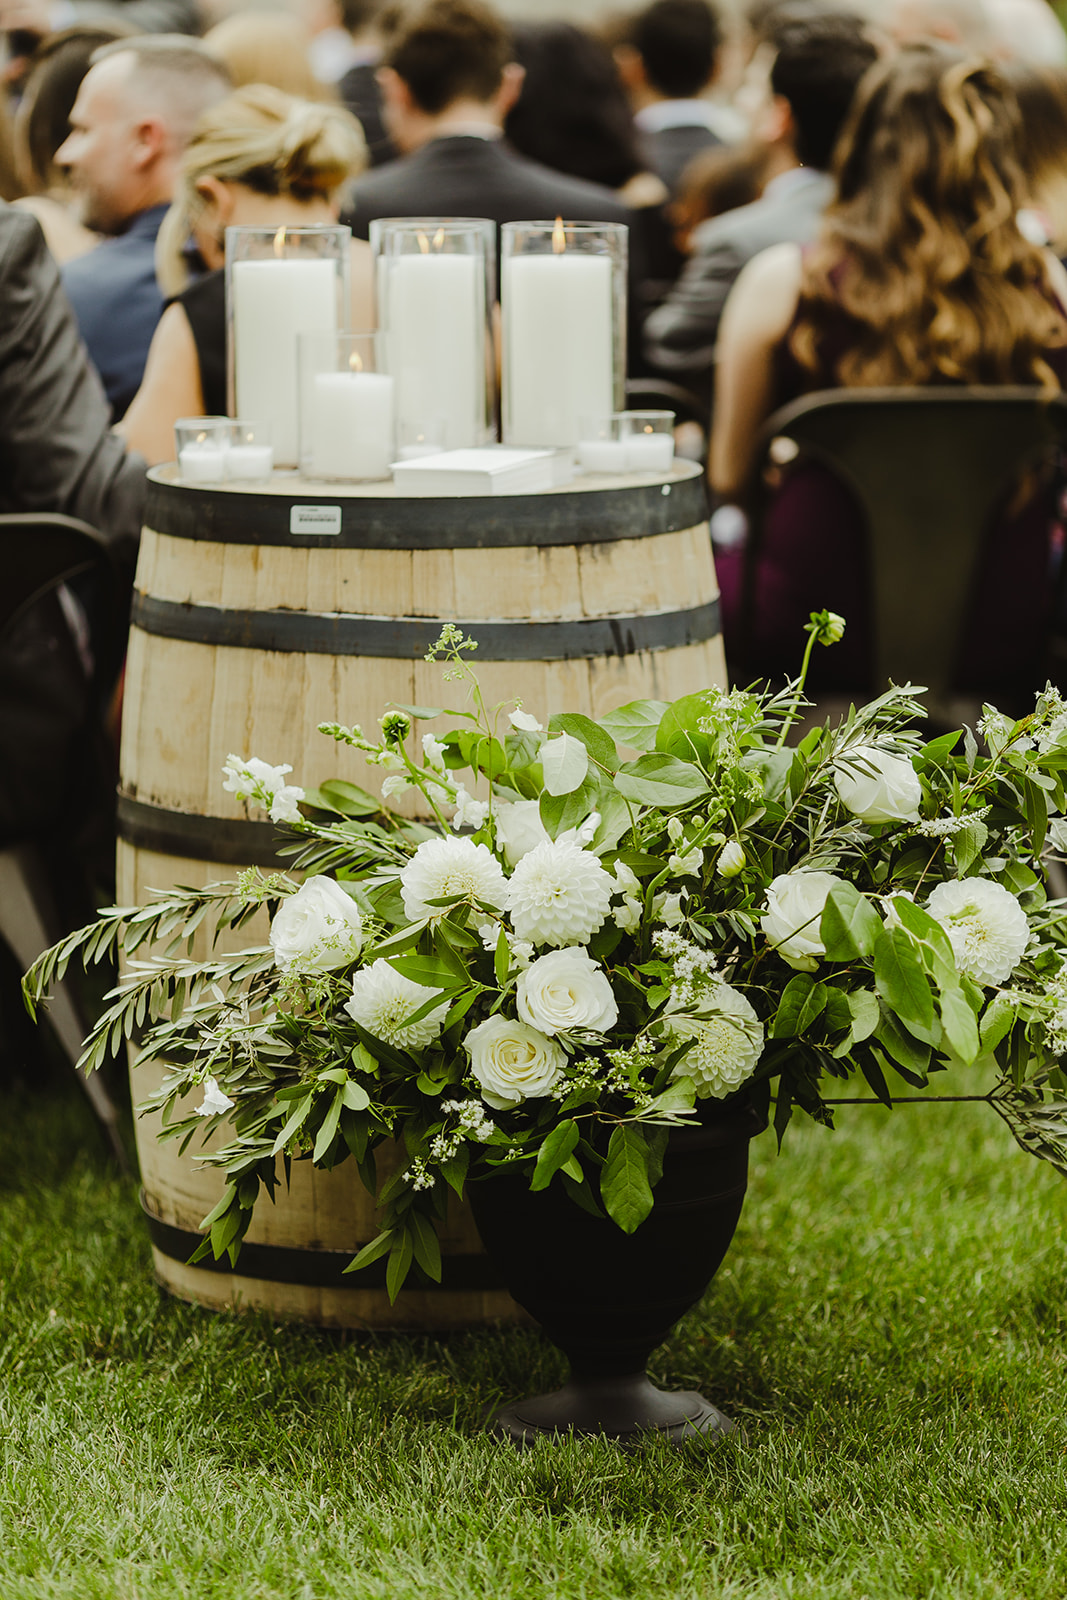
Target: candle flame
x,y
201,438
279,240
354,362
439,238
648,428
424,243
559,238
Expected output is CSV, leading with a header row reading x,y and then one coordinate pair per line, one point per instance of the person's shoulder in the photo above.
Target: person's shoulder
x,y
769,284
591,201
21,238
771,219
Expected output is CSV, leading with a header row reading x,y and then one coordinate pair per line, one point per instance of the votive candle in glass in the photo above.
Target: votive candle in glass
x,y
347,426
648,438
600,447
250,457
202,445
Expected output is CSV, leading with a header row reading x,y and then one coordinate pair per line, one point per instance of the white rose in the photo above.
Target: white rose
x,y
317,929
566,989
519,829
795,902
878,786
512,1061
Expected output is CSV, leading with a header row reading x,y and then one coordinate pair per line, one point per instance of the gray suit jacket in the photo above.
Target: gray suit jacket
x,y
680,334
56,450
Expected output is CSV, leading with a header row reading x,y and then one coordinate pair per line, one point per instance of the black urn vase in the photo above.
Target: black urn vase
x,y
608,1298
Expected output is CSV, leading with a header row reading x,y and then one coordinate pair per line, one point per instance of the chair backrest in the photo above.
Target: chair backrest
x,y
929,467
39,552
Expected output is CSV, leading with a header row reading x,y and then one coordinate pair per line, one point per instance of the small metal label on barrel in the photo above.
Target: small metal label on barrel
x,y
322,520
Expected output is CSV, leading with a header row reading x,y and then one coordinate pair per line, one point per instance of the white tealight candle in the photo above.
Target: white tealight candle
x,y
602,455
203,463
558,345
273,301
649,452
352,425
249,461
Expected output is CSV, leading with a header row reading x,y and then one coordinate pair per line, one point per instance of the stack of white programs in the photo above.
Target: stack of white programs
x,y
490,469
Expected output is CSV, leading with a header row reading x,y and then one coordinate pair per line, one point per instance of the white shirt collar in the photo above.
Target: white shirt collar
x,y
676,114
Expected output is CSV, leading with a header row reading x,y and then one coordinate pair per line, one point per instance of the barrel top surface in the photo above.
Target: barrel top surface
x,y
593,508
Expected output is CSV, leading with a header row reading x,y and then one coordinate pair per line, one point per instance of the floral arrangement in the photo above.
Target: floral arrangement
x,y
603,945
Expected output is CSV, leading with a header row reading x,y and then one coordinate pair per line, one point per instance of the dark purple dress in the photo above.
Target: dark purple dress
x,y
813,557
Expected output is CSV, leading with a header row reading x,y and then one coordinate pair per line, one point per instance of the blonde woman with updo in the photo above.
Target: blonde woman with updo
x,y
921,275
257,159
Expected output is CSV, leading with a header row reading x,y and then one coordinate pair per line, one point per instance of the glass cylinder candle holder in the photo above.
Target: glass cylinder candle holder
x,y
600,444
563,303
250,458
420,436
347,407
435,285
648,439
280,282
201,445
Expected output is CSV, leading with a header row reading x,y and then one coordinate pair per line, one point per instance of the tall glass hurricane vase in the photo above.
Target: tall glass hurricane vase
x,y
563,303
435,285
280,282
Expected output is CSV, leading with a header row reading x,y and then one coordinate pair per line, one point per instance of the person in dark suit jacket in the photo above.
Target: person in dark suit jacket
x,y
819,62
448,82
668,58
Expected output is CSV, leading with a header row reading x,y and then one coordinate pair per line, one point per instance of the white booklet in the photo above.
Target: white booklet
x,y
491,469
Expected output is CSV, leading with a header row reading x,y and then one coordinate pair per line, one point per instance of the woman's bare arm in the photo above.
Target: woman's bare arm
x,y
169,389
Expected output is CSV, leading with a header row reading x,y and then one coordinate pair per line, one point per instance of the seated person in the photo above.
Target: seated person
x,y
920,276
258,158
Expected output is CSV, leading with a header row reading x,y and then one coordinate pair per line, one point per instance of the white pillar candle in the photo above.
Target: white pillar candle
x,y
273,301
649,452
435,321
602,455
352,425
249,461
559,348
202,463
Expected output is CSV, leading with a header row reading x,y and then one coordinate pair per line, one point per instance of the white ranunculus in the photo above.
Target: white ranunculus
x,y
877,785
795,902
443,867
215,1102
986,926
317,929
382,1001
512,1061
519,829
566,989
731,860
559,894
728,1042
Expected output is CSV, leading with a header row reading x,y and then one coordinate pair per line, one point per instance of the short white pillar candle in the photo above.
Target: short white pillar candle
x,y
351,425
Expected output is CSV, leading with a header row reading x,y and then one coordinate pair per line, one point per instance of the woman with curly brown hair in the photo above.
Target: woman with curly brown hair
x,y
920,276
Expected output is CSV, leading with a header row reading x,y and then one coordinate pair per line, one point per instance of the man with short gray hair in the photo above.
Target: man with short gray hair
x,y
133,117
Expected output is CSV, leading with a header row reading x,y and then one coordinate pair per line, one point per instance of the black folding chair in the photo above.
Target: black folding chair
x,y
41,553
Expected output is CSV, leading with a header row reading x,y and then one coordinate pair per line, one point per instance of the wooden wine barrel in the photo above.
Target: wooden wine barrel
x,y
259,613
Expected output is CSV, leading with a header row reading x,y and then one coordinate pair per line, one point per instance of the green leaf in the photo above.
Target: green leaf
x,y
900,978
875,1077
329,1126
959,1023
997,1021
297,1118
363,1061
600,745
229,1195
679,1095
635,724
660,780
401,1255
424,713
501,958
679,732
560,812
346,799
935,945
372,1252
555,1152
968,844
865,1014
355,1097
432,972
427,1246
910,1056
849,926
564,764
783,1111
786,1021
624,1186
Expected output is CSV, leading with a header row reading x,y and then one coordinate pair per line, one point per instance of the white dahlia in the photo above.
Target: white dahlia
x,y
443,867
986,926
382,1000
559,894
728,1042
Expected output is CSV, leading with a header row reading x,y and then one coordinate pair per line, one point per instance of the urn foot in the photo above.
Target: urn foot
x,y
624,1409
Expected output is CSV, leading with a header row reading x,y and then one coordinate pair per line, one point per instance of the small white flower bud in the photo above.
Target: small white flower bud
x,y
731,860
674,830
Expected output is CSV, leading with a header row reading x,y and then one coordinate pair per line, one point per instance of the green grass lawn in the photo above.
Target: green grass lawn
x,y
890,1328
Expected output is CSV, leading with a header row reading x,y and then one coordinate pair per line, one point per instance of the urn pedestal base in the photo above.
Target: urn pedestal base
x,y
626,1410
